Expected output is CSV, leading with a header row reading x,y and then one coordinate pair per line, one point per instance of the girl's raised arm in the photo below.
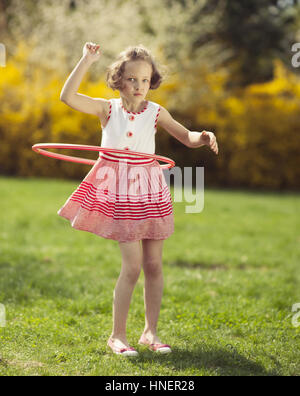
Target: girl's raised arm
x,y
69,94
186,137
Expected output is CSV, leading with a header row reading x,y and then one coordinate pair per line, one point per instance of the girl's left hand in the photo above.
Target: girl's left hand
x,y
209,139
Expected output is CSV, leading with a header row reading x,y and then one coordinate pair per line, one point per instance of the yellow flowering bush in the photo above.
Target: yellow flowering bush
x,y
257,127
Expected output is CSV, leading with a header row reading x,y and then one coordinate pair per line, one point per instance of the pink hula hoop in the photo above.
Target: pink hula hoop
x,y
40,149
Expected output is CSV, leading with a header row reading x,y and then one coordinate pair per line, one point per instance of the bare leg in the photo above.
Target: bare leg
x,y
131,268
153,290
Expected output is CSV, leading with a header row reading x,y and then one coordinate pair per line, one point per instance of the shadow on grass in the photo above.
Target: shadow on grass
x,y
26,279
211,360
195,265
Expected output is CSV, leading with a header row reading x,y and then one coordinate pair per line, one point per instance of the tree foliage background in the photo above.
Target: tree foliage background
x,y
229,71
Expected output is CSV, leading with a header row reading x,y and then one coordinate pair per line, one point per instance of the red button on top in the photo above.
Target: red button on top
x,y
126,148
131,118
129,134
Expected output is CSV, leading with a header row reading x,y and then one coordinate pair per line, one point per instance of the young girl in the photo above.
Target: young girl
x,y
138,223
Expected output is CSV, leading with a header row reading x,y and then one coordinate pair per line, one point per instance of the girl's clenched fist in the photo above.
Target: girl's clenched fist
x,y
91,52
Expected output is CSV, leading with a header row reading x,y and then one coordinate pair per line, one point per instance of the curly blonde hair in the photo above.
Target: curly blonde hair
x,y
115,71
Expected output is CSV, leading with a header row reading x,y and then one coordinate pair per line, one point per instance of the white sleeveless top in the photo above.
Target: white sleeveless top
x,y
126,130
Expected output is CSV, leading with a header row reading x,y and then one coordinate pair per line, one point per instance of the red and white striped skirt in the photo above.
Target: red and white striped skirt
x,y
124,198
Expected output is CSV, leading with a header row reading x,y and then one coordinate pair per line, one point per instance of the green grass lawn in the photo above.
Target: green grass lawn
x,y
231,278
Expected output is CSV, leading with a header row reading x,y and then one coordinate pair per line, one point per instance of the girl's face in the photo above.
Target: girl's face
x,y
136,80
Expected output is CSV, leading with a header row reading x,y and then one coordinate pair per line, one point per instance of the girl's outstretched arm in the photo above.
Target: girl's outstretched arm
x,y
186,137
69,94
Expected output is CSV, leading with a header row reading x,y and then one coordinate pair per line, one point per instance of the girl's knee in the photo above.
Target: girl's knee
x,y
132,272
152,268
131,260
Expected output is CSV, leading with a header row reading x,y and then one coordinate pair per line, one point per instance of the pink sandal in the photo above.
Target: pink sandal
x,y
161,348
128,351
